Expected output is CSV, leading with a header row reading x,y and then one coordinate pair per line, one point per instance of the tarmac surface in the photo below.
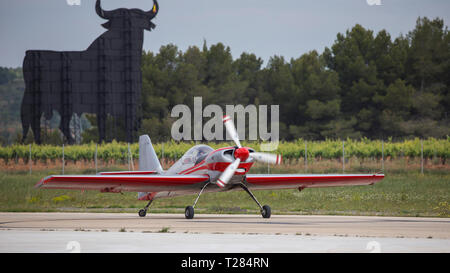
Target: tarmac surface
x,y
124,232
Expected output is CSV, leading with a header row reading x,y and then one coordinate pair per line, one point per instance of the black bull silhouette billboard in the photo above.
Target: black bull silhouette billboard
x,y
104,79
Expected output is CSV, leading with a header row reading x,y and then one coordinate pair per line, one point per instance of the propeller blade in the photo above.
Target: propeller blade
x,y
266,158
228,173
229,125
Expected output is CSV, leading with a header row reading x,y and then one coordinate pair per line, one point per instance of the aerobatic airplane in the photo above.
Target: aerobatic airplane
x,y
201,169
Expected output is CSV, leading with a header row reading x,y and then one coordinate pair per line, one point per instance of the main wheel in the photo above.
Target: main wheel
x,y
142,213
266,211
189,212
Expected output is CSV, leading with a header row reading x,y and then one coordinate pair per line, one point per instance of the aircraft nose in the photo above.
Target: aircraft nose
x,y
241,153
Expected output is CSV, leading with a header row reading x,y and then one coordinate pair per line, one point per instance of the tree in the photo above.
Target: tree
x,y
318,97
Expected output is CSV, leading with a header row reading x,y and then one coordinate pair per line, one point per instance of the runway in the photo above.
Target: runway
x,y
124,232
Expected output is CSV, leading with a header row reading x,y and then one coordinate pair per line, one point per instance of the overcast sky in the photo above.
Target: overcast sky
x,y
278,27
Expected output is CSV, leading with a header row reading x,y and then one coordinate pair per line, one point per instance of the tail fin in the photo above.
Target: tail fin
x,y
148,160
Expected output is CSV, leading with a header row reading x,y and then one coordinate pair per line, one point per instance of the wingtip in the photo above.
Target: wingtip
x,y
42,182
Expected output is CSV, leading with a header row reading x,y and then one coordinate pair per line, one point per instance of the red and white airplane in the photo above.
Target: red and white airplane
x,y
201,169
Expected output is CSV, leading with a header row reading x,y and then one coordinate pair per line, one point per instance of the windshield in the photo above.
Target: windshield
x,y
191,158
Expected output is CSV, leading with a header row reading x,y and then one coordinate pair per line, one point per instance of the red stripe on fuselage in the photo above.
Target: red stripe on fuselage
x,y
129,173
191,168
220,167
203,161
216,166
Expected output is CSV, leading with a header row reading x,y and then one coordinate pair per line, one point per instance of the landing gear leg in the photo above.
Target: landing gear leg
x,y
189,211
265,210
143,211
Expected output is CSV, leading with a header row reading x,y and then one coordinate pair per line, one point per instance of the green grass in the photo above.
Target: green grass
x,y
164,230
401,193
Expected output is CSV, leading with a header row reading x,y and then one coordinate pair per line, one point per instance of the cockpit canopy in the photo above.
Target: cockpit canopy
x,y
191,158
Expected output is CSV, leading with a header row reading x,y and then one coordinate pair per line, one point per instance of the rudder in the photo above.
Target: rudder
x,y
148,160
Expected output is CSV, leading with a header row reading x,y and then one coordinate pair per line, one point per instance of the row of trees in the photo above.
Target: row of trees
x,y
11,92
364,85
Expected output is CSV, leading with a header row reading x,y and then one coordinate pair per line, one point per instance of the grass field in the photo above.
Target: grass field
x,y
403,192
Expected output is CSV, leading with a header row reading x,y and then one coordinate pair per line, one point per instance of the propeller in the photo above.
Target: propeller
x,y
241,154
229,125
228,173
266,158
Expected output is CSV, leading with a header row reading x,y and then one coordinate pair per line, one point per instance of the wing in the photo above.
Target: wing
x,y
128,173
119,183
292,181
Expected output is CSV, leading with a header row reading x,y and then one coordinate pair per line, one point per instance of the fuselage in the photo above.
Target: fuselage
x,y
204,160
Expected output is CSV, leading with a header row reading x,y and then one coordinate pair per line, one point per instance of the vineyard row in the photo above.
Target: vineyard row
x,y
328,149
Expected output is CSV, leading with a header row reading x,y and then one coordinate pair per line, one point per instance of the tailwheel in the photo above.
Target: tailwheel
x,y
142,212
189,212
266,212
